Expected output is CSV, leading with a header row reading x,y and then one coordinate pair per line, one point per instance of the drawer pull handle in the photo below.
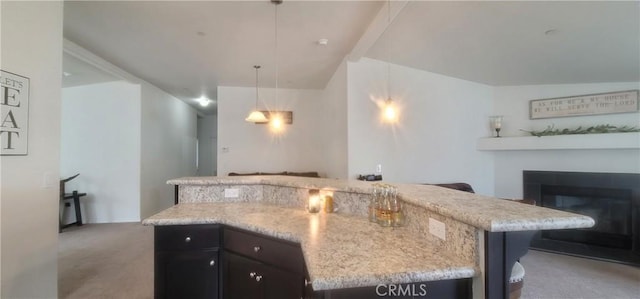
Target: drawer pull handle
x,y
255,276
187,239
256,248
212,262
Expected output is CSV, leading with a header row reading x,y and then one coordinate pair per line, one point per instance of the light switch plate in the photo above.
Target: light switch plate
x,y
437,228
231,193
48,180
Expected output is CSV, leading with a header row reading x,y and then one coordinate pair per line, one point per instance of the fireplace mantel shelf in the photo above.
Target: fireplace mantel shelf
x,y
562,142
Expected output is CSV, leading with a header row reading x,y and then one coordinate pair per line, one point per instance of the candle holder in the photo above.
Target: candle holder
x,y
314,201
496,124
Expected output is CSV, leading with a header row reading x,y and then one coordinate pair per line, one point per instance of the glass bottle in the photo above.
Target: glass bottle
x,y
385,207
397,215
374,203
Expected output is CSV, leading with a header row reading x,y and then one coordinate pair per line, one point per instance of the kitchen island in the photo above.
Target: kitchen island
x,y
481,237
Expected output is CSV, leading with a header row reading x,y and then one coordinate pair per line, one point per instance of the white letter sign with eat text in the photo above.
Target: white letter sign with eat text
x,y
14,114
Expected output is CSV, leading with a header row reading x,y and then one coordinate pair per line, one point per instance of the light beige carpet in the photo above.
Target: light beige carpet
x,y
116,261
556,276
106,261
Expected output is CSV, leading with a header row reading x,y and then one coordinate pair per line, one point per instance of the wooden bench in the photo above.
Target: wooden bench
x,y
75,195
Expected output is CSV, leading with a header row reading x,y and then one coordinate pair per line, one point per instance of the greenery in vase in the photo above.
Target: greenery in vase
x,y
599,129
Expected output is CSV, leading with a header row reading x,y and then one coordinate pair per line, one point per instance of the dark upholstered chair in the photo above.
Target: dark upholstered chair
x,y
458,186
309,174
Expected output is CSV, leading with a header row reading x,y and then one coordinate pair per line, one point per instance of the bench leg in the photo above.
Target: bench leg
x,y
76,204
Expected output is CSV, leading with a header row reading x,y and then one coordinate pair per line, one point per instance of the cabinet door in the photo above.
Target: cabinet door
x,y
187,274
247,278
282,284
239,277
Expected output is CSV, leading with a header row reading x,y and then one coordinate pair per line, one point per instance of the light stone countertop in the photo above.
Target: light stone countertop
x,y
340,251
488,213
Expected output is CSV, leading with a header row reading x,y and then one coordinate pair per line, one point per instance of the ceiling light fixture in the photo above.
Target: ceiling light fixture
x,y
389,111
256,115
275,118
204,102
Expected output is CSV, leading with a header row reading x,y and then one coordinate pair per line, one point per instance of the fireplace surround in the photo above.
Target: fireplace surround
x,y
611,199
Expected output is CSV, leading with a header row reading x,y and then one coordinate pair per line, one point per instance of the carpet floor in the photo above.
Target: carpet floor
x,y
116,261
106,261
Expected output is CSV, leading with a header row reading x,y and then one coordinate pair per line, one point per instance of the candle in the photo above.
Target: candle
x,y
314,201
496,121
496,124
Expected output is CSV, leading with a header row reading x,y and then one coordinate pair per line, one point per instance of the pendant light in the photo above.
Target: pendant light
x,y
276,122
389,110
256,115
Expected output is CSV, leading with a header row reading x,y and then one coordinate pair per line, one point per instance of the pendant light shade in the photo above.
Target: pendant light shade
x,y
390,114
256,116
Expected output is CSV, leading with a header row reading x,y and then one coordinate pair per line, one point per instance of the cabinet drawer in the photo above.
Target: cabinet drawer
x,y
282,254
246,278
187,237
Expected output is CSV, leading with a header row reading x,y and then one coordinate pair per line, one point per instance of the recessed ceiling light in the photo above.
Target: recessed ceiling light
x,y
204,102
66,74
551,32
323,42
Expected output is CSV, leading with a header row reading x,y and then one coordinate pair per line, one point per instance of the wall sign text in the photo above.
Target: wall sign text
x,y
14,114
591,104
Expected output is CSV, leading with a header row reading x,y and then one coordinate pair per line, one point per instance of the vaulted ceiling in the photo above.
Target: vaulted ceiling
x,y
190,48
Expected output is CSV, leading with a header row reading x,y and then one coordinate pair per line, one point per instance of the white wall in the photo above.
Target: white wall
x,y
169,129
207,145
32,47
435,139
334,125
252,147
168,135
100,139
512,102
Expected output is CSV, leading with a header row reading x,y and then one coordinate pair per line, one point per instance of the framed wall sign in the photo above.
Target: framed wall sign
x,y
590,104
287,116
14,114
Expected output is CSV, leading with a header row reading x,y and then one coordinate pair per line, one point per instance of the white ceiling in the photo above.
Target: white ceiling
x,y
78,72
190,48
504,43
160,41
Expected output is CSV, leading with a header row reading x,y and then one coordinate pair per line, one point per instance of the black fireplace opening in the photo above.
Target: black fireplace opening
x,y
610,208
611,199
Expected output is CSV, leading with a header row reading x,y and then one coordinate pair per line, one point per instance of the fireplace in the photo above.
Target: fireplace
x,y
611,199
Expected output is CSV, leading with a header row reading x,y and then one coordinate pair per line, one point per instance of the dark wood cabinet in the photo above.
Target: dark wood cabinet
x,y
212,261
257,267
187,261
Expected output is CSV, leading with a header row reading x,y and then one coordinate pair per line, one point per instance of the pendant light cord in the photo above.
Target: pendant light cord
x,y
387,45
276,35
256,67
